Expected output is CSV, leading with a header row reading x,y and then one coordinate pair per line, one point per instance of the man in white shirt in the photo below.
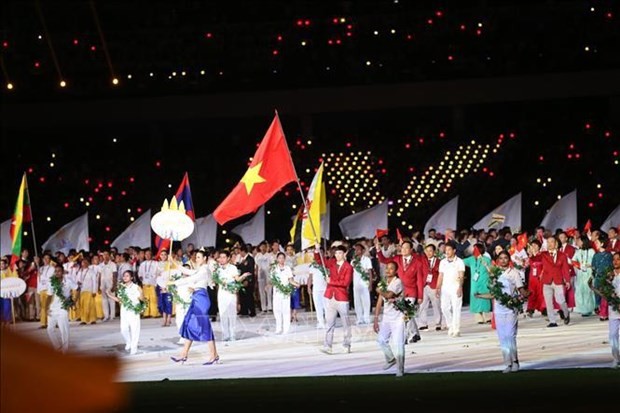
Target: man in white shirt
x,y
148,274
362,283
263,260
45,273
507,319
614,316
108,280
228,274
59,316
450,288
393,322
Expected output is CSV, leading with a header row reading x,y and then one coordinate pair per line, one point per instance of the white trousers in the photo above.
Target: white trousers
x,y
361,301
109,305
507,325
265,291
319,305
394,329
451,309
411,327
227,306
549,292
334,308
430,298
60,319
130,330
282,311
614,338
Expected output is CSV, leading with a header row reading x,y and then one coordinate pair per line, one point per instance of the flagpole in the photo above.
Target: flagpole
x,y
303,199
34,237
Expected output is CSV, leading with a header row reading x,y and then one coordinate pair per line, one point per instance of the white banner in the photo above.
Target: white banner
x,y
563,214
138,234
507,214
73,235
252,231
444,218
613,220
5,238
205,233
364,224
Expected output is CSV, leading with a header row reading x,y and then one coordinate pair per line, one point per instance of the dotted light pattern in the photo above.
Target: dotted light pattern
x,y
352,179
440,178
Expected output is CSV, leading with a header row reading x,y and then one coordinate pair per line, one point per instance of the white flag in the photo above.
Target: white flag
x,y
205,233
563,214
444,218
137,234
5,238
326,222
507,214
364,224
73,235
613,220
253,231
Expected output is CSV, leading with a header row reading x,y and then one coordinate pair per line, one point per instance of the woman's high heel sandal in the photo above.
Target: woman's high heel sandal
x,y
214,361
179,359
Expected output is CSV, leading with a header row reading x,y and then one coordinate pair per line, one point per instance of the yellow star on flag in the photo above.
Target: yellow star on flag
x,y
252,177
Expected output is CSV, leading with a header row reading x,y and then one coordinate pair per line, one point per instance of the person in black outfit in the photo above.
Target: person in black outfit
x,y
247,265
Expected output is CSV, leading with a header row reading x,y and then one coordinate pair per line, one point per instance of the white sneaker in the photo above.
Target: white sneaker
x,y
389,364
615,365
508,369
127,347
515,367
399,373
325,350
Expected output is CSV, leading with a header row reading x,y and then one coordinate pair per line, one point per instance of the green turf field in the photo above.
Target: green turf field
x,y
574,390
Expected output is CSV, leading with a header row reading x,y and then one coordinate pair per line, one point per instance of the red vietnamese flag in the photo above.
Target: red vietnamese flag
x,y
380,233
476,251
398,235
271,168
521,241
588,226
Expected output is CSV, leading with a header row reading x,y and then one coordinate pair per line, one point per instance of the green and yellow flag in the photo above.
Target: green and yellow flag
x,y
21,215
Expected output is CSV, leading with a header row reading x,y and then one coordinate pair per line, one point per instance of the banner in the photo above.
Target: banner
x,y
365,224
73,235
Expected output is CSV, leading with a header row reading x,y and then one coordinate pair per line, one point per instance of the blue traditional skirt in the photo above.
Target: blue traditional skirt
x,y
165,303
296,299
5,309
197,325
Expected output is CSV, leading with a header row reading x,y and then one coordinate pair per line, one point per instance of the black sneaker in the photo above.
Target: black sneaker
x,y
567,320
561,314
423,328
438,328
552,325
415,338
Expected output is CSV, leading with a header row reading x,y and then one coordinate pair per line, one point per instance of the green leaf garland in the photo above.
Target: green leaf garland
x,y
357,265
174,292
607,289
65,302
275,280
514,302
126,302
232,287
320,267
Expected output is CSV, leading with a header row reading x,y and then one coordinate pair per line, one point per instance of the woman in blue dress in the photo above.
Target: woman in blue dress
x,y
196,324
